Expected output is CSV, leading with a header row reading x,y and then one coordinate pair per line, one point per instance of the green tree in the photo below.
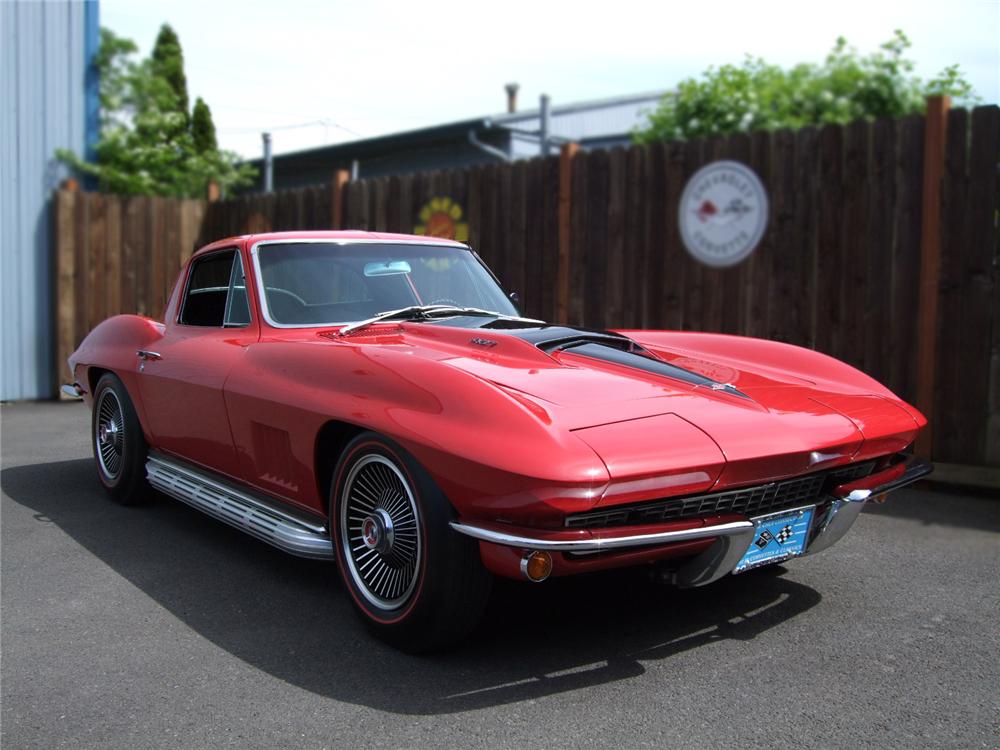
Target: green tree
x,y
147,145
168,62
759,96
202,127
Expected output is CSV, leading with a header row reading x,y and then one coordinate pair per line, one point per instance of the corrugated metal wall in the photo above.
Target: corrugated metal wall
x,y
43,53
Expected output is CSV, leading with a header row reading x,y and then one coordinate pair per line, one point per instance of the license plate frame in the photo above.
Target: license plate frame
x,y
778,537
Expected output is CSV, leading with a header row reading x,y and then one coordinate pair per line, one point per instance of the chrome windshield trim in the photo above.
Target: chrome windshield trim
x,y
259,279
733,528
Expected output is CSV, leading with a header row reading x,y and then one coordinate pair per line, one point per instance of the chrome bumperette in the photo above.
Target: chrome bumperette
x,y
238,509
845,509
831,527
601,544
717,561
915,470
73,391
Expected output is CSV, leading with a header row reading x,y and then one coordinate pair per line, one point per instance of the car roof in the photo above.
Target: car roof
x,y
332,235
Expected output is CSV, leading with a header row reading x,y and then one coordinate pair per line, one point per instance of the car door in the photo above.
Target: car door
x,y
182,381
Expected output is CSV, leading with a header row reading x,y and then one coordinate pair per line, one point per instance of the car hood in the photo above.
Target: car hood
x,y
648,411
742,422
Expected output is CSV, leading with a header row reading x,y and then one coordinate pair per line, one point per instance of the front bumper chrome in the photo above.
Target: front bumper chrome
x,y
732,538
849,499
601,543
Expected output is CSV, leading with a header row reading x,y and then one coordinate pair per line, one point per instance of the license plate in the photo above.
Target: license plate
x,y
779,536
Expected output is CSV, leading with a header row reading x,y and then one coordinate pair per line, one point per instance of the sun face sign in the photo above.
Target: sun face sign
x,y
442,217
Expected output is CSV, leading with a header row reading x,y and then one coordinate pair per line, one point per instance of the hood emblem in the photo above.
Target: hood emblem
x,y
483,342
722,386
818,457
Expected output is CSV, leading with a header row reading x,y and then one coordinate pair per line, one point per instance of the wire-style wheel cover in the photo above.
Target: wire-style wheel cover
x,y
109,434
380,531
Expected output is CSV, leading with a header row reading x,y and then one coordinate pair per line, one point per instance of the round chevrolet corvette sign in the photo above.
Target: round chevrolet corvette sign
x,y
723,213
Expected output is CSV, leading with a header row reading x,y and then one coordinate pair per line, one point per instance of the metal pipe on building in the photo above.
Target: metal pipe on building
x,y
545,122
487,148
511,97
268,164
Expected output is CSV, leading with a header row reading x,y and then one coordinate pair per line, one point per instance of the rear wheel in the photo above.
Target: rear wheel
x,y
415,582
119,446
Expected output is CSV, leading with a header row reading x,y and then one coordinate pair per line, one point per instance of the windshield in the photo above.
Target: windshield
x,y
326,283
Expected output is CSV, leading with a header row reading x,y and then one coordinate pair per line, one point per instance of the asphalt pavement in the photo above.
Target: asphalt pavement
x,y
157,626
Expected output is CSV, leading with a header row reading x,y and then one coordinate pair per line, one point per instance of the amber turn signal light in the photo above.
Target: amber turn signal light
x,y
536,566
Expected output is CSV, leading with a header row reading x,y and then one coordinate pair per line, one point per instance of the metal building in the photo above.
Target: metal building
x,y
512,135
50,100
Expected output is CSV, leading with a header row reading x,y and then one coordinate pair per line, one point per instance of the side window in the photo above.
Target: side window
x,y
208,301
238,306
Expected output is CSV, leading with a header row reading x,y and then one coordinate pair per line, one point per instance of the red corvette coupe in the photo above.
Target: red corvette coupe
x,y
377,399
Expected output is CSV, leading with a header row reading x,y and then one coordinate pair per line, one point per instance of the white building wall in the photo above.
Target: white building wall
x,y
42,75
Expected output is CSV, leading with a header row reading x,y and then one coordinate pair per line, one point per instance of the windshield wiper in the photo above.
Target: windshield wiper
x,y
427,312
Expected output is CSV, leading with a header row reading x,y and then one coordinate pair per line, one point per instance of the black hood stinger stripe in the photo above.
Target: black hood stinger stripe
x,y
617,349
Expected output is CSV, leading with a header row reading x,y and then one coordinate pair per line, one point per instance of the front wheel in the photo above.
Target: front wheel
x,y
119,446
416,583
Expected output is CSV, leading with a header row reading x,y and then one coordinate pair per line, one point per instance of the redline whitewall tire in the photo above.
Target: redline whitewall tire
x,y
416,583
119,446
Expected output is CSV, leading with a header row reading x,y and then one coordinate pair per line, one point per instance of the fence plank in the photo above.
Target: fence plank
x,y
564,281
634,197
172,247
595,236
96,253
534,239
979,278
736,280
614,270
517,236
986,186
113,256
65,300
853,244
878,272
906,256
829,247
674,254
82,276
156,263
966,286
930,263
578,240
550,233
758,266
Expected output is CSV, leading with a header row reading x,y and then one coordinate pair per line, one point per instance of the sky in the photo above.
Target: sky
x,y
315,73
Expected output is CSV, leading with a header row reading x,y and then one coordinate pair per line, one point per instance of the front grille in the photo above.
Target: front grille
x,y
747,501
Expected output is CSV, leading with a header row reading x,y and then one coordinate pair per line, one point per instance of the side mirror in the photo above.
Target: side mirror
x,y
516,299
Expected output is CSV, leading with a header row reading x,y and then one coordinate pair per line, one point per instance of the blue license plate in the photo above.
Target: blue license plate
x,y
779,536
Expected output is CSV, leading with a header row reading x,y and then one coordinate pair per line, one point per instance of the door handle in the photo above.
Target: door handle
x,y
146,355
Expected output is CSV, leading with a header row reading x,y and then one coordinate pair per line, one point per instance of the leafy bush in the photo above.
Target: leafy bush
x,y
757,95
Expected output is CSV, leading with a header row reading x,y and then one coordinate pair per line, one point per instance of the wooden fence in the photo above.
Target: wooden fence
x,y
591,238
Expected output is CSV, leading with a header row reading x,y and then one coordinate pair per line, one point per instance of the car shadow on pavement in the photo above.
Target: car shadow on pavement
x,y
940,507
291,618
